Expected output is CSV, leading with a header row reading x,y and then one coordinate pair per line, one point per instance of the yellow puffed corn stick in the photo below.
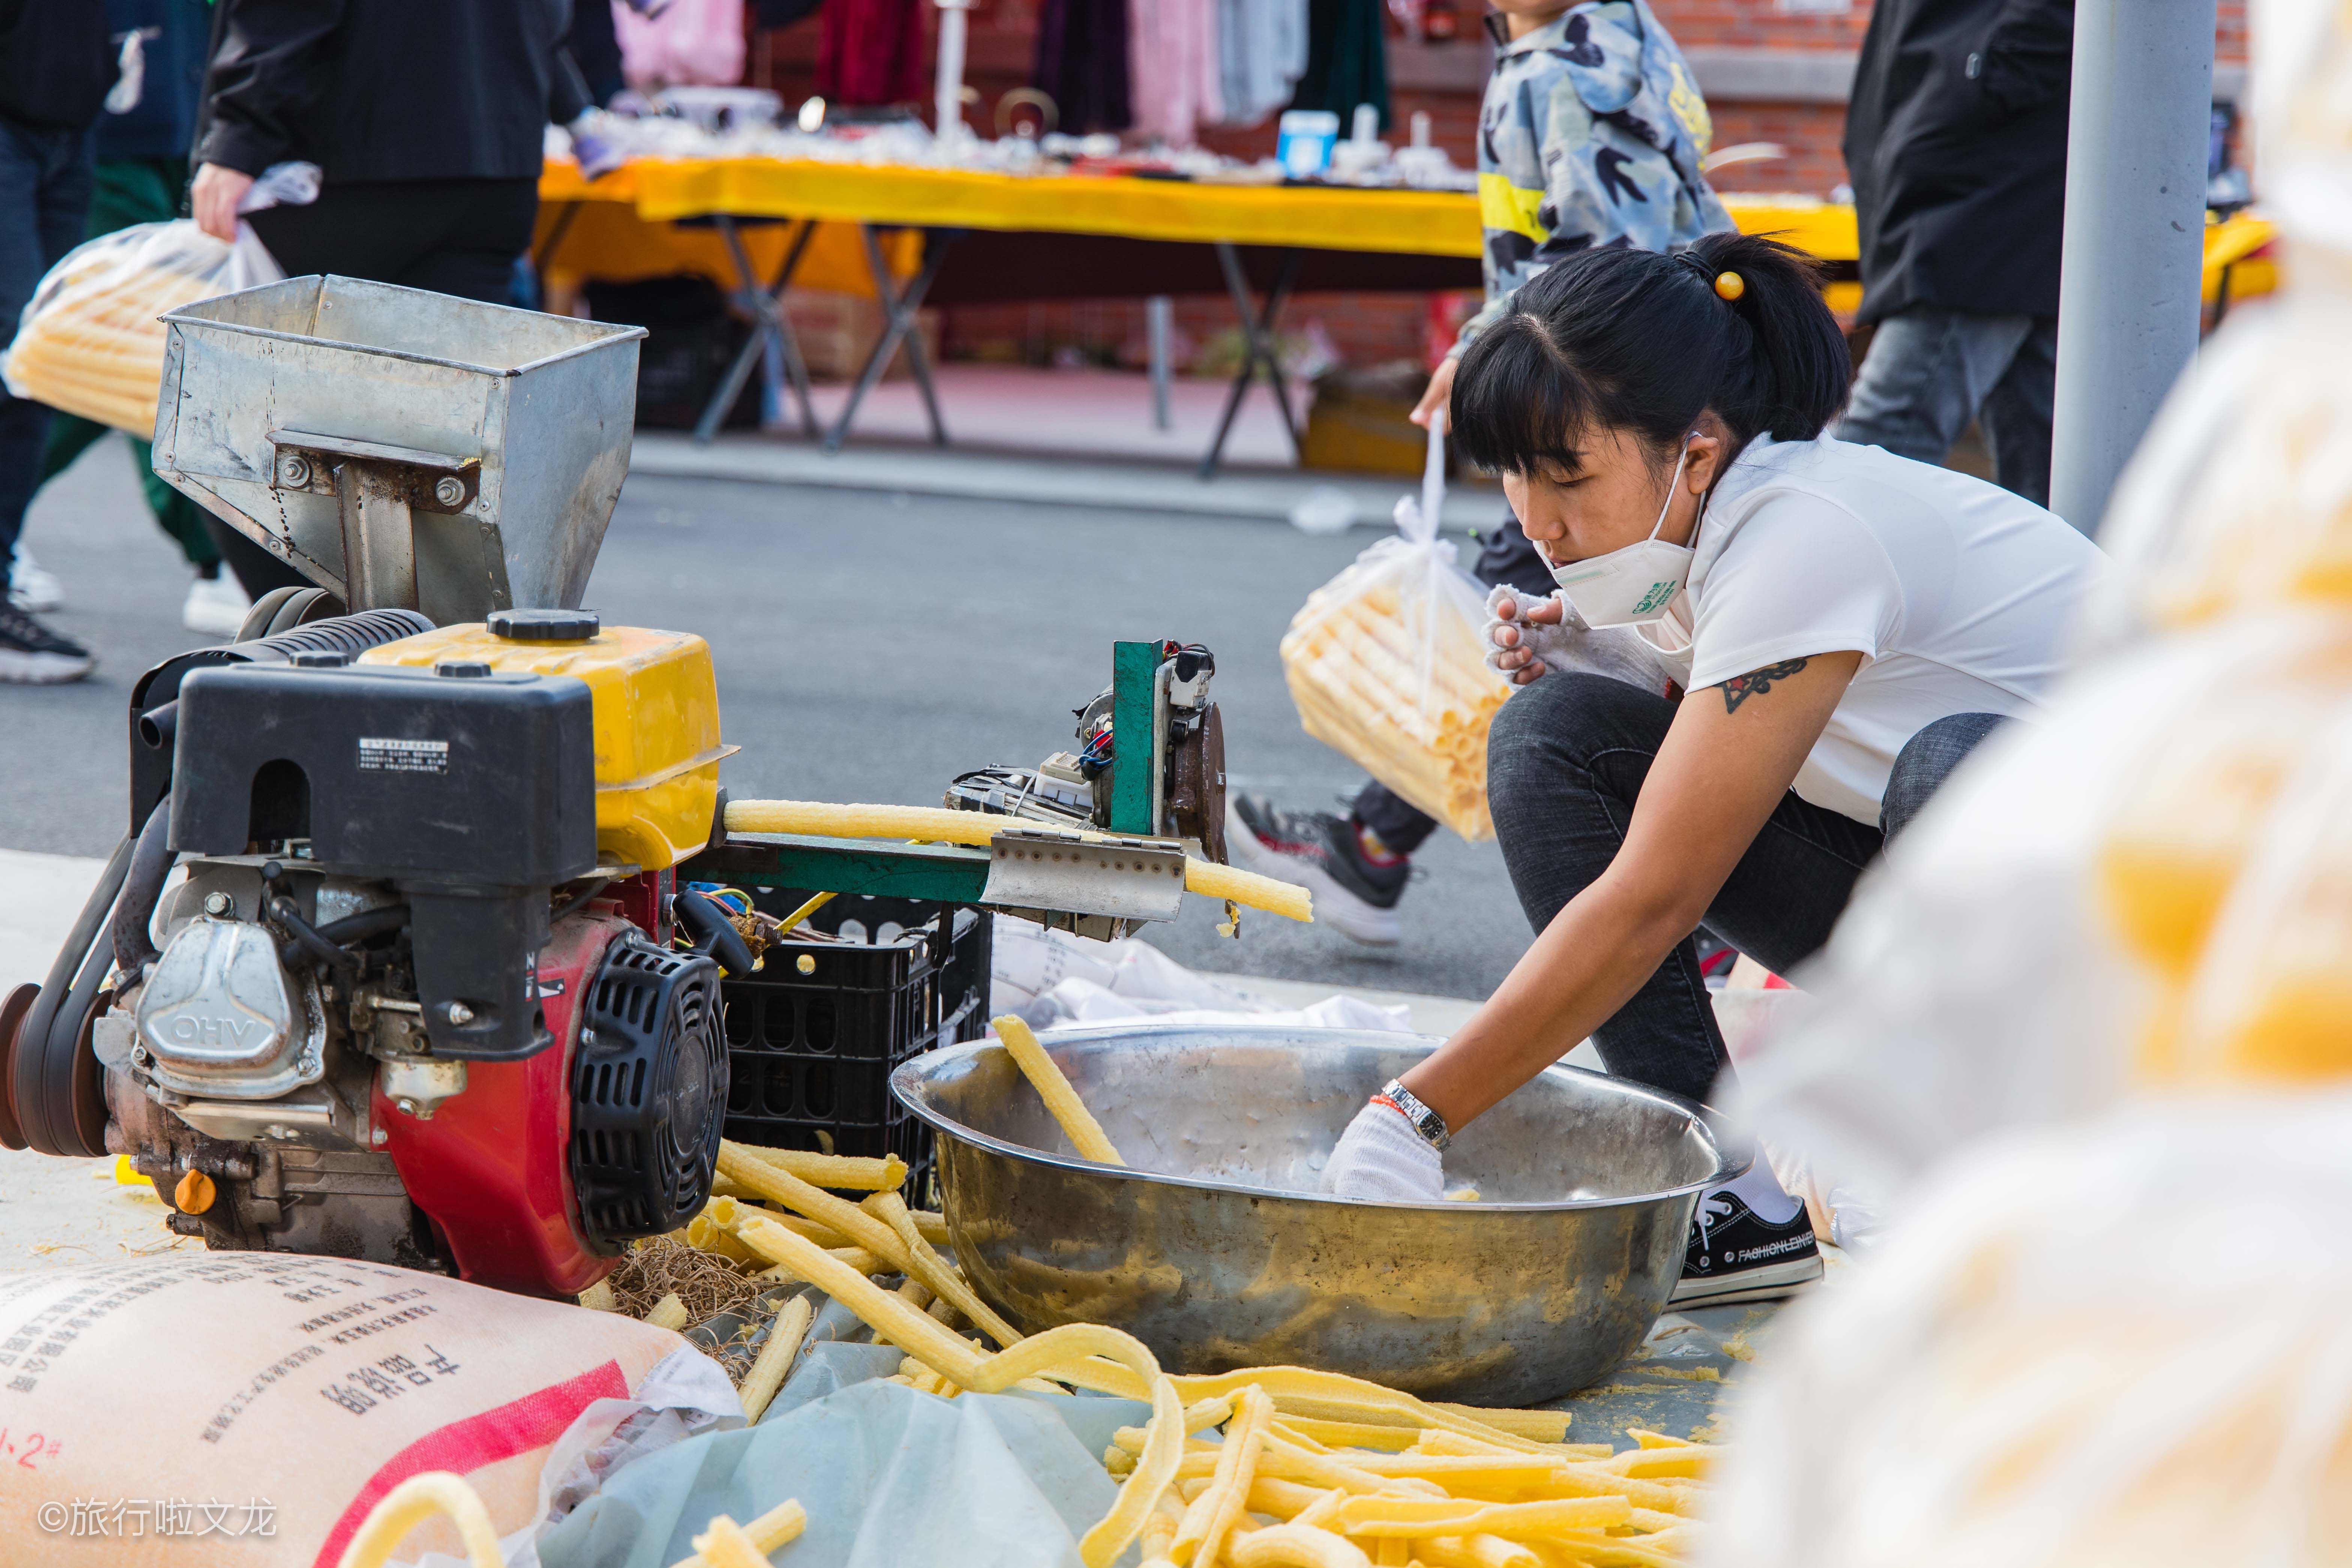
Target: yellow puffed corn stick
x,y
1077,1352
1086,1134
1475,1552
1294,1545
776,1182
725,1544
1414,1516
780,1524
410,1504
858,1173
669,1313
1210,1517
775,1357
937,1272
937,825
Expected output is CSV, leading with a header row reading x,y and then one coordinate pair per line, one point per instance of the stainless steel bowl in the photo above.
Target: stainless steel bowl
x,y
1215,1247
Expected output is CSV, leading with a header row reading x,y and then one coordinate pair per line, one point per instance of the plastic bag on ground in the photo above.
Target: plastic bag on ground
x,y
2115,1343
89,342
1387,663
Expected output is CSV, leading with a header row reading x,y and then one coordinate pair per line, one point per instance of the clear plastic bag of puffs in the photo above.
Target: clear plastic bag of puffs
x,y
89,342
1387,663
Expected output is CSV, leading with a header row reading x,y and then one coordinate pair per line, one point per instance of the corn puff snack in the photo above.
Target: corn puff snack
x,y
410,1504
772,1529
1387,663
1086,1134
775,1357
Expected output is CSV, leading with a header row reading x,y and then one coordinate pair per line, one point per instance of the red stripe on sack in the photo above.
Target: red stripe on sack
x,y
531,1422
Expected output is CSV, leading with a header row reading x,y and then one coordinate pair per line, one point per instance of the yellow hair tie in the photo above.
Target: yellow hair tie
x,y
1730,285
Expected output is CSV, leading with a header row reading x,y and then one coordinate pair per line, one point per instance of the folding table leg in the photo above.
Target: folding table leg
x,y
898,327
555,234
766,304
1257,349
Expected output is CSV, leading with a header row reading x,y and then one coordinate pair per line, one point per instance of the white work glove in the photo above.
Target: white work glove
x,y
1564,642
1380,1156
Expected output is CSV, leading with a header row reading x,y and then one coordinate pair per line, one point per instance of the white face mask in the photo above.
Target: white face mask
x,y
1631,586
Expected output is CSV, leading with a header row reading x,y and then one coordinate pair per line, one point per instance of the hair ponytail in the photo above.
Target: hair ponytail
x,y
1646,341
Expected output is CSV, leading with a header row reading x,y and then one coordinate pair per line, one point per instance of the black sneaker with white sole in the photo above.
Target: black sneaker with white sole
x,y
1735,1255
1319,851
32,655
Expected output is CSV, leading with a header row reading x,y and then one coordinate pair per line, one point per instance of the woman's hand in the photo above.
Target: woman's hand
x,y
1380,1156
1729,757
1439,391
1509,628
213,199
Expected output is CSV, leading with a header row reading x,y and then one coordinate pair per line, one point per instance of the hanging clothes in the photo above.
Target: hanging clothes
x,y
687,42
1082,64
1262,49
1174,68
870,52
1346,60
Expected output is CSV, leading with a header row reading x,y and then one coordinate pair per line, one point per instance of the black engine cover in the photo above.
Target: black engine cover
x,y
473,793
648,1092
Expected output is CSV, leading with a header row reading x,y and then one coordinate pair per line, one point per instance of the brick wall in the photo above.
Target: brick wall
x,y
1369,329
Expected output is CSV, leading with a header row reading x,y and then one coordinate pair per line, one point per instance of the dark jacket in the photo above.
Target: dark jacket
x,y
382,89
175,37
55,62
1956,145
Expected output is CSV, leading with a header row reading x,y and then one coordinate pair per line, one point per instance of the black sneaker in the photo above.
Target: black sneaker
x,y
1736,1256
1318,851
32,655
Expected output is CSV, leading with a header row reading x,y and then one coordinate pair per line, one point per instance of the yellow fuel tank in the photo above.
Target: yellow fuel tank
x,y
657,717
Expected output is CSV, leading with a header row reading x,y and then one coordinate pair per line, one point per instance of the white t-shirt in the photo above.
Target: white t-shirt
x,y
1959,595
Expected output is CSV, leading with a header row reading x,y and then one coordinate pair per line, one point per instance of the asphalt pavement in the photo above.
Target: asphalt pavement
x,y
869,646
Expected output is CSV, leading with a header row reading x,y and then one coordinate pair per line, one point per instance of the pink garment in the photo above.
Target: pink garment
x,y
690,43
1173,80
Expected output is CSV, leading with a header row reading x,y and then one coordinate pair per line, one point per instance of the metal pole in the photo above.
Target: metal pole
x,y
1160,329
2129,286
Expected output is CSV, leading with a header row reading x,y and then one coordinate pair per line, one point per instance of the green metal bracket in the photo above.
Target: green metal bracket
x,y
945,873
1134,673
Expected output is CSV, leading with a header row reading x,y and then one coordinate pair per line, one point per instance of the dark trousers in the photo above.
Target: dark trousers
x,y
452,237
45,180
1930,370
1565,763
1503,556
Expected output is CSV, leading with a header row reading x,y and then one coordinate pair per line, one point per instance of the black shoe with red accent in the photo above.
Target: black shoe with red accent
x,y
1320,852
1735,1255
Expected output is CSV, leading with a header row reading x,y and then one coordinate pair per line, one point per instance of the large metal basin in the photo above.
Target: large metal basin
x,y
1215,1249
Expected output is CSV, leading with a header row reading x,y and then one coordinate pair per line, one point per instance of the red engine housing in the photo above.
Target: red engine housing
x,y
492,1165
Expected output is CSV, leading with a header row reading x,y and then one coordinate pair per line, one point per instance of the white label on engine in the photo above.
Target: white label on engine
x,y
379,756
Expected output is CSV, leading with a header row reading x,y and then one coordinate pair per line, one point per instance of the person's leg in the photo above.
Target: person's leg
x,y
24,424
1927,374
489,224
44,199
374,230
1925,761
1566,759
176,514
2016,416
257,570
68,437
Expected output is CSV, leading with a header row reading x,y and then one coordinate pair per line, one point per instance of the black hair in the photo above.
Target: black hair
x,y
1640,341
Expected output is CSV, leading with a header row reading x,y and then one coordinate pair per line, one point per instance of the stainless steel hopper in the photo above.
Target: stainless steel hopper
x,y
400,447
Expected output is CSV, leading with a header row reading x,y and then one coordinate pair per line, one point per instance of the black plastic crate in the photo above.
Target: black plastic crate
x,y
813,1052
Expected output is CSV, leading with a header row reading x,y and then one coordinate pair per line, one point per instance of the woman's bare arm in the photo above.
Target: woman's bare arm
x,y
1730,756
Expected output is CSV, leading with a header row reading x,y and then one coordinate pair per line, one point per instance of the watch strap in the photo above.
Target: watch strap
x,y
1408,1105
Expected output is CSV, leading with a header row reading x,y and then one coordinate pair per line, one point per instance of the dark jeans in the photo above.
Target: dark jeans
x,y
452,237
44,179
1565,763
1930,371
1503,556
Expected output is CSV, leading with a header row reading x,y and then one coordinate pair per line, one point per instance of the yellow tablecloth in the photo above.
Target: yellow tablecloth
x,y
655,193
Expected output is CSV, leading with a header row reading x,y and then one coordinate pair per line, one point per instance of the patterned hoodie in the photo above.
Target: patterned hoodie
x,y
1592,134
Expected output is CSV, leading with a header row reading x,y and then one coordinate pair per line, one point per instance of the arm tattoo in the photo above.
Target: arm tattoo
x,y
1756,683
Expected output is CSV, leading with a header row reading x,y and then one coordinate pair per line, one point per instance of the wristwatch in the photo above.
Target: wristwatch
x,y
1425,1121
